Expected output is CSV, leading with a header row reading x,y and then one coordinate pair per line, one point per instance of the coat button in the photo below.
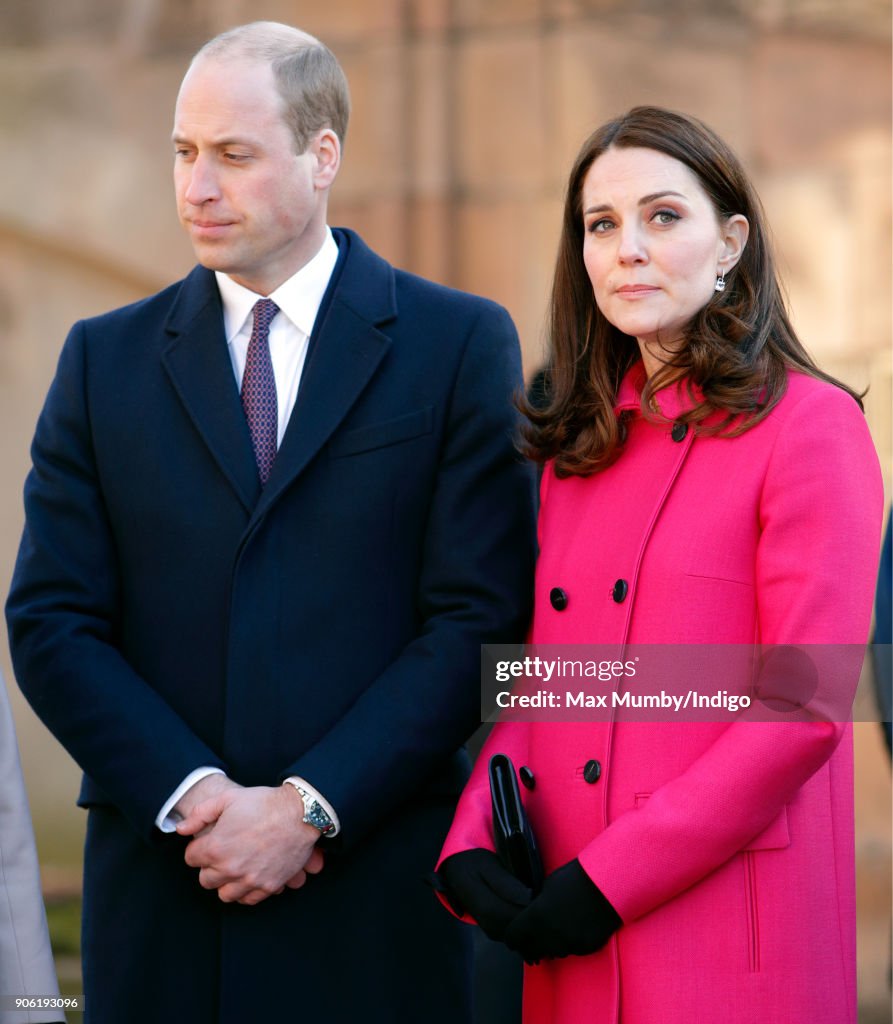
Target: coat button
x,y
593,771
621,589
679,431
527,778
558,597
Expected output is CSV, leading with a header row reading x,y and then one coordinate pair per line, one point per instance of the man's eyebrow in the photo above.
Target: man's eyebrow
x,y
217,143
603,207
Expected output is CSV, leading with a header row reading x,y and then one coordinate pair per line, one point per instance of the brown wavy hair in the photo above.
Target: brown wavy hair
x,y
738,348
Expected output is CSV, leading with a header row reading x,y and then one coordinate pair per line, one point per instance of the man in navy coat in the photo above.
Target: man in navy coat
x,y
264,541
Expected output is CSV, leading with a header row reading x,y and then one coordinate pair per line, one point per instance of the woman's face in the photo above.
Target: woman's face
x,y
653,244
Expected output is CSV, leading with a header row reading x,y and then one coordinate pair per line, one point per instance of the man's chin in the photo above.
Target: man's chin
x,y
213,258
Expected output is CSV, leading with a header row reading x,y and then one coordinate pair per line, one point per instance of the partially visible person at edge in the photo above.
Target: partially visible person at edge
x,y
883,636
705,483
26,959
274,512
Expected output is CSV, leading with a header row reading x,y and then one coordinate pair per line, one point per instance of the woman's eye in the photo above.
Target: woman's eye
x,y
665,216
599,227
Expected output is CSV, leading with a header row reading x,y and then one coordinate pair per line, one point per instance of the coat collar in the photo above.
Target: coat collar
x,y
672,402
199,367
345,351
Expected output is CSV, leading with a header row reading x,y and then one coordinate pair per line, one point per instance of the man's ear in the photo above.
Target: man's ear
x,y
326,150
735,232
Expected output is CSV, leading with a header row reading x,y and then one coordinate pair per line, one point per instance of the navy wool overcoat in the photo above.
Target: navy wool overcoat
x,y
167,613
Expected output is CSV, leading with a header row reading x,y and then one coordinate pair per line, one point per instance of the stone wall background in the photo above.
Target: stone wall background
x,y
467,115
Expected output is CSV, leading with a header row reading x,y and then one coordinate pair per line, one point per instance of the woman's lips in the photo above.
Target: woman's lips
x,y
636,291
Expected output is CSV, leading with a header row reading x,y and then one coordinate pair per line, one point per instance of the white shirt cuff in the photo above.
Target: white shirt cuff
x,y
167,817
296,780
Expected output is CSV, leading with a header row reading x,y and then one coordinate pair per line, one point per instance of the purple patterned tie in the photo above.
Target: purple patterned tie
x,y
259,389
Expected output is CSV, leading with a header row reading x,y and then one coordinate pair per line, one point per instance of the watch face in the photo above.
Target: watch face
x,y
318,818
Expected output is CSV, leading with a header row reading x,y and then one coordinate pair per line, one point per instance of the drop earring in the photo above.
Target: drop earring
x,y
720,285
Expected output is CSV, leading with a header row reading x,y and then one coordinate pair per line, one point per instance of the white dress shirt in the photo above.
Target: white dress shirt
x,y
298,299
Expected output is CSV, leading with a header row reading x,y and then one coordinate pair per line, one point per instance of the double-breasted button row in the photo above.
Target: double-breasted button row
x,y
592,772
558,597
559,600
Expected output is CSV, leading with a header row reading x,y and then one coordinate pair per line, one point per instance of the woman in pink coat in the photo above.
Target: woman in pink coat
x,y
704,483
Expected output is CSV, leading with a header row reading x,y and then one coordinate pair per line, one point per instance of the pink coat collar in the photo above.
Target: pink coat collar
x,y
671,401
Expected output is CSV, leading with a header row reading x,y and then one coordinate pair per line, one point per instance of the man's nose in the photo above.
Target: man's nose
x,y
202,183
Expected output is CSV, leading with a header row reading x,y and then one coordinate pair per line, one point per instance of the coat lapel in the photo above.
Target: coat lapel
x,y
199,367
345,352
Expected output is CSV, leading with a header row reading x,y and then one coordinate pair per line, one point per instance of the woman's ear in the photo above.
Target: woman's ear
x,y
735,231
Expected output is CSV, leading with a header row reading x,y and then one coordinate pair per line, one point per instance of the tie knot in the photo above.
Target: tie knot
x,y
264,311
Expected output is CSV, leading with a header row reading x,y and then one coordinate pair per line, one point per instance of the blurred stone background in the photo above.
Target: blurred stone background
x,y
467,115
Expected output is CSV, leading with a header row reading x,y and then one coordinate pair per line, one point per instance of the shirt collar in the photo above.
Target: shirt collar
x,y
298,298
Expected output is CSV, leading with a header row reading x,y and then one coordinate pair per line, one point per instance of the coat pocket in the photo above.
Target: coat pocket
x,y
752,910
381,435
776,836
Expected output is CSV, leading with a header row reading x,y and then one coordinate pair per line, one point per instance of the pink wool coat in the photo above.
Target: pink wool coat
x,y
727,849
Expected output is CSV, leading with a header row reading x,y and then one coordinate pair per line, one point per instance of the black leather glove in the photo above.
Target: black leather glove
x,y
570,916
476,883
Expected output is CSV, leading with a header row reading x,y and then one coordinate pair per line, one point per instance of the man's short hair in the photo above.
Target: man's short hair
x,y
308,76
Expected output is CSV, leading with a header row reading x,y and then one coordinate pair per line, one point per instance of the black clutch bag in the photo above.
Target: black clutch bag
x,y
512,834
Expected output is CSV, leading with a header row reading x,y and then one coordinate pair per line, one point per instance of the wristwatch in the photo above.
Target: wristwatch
x,y
314,812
